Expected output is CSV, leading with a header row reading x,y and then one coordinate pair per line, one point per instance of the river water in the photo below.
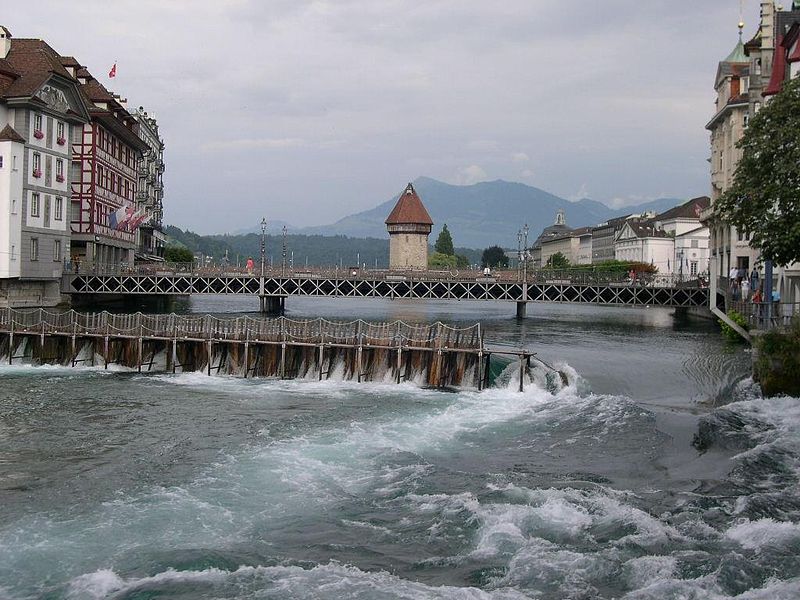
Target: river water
x,y
658,472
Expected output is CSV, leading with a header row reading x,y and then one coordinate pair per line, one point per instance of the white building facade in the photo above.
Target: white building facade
x,y
644,243
150,239
40,109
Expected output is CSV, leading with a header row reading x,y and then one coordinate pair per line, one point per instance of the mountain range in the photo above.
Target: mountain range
x,y
483,214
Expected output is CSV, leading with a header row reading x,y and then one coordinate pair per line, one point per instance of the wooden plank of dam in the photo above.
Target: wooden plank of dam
x,y
419,286
277,347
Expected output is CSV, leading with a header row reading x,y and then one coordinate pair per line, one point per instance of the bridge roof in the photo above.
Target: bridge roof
x,y
409,210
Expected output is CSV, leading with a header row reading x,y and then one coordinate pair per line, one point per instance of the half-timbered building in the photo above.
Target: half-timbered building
x,y
104,179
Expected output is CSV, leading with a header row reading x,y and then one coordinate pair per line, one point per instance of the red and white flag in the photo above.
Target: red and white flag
x,y
113,71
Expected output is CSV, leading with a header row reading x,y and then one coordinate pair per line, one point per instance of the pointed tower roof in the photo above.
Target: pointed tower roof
x,y
409,210
737,55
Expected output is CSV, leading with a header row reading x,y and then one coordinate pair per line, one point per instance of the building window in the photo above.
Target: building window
x,y
59,209
13,206
13,252
59,170
37,122
56,250
746,121
693,268
61,131
1,162
37,165
34,249
756,107
695,243
34,205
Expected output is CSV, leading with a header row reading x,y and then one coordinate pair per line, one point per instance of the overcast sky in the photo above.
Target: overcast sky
x,y
308,111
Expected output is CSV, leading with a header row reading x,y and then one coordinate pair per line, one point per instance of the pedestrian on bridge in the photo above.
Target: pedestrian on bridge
x,y
250,265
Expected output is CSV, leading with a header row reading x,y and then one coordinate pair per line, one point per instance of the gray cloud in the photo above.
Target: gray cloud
x,y
306,111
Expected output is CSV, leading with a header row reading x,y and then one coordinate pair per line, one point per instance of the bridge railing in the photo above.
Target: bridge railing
x,y
244,328
578,276
766,315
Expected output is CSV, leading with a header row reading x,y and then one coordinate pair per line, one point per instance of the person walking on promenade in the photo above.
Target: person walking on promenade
x,y
250,265
754,279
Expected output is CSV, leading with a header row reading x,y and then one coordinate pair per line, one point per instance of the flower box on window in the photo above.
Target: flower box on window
x,y
60,178
37,173
61,141
38,134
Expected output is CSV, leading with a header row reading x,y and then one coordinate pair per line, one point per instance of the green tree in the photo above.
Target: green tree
x,y
764,199
462,262
558,261
493,257
444,243
437,260
178,254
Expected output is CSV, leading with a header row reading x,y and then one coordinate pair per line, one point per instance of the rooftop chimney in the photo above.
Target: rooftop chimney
x,y
5,42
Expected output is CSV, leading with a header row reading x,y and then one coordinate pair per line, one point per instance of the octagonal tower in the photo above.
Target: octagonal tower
x,y
409,225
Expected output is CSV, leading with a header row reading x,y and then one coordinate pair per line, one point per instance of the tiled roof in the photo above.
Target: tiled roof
x,y
9,134
70,61
7,69
32,62
646,229
687,210
97,92
409,210
35,62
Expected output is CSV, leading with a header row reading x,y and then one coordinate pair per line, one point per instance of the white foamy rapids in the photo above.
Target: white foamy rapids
x,y
559,541
261,488
773,424
764,534
707,588
540,376
324,582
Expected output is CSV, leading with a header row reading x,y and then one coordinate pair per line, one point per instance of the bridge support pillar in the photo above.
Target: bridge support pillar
x,y
522,310
272,304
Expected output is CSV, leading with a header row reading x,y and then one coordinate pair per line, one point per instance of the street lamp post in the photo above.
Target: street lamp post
x,y
263,243
283,267
519,254
525,251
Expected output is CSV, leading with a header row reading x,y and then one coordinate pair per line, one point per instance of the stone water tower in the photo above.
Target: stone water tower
x,y
409,225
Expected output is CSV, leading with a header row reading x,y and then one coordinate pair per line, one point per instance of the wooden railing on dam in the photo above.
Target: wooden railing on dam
x,y
432,354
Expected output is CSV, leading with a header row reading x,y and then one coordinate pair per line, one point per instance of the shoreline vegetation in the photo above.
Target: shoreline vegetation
x,y
776,361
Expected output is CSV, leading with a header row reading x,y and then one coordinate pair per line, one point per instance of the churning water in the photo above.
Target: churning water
x,y
658,472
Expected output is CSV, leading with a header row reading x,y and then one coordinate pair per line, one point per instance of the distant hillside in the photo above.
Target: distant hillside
x,y
317,250
486,213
